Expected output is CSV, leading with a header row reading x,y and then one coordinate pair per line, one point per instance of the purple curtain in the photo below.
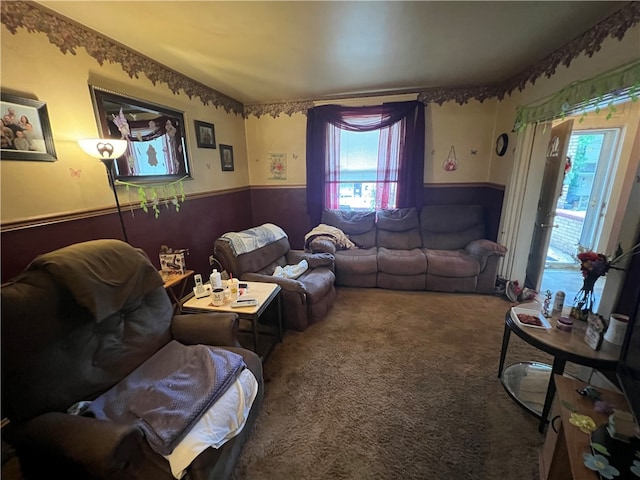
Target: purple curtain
x,y
401,148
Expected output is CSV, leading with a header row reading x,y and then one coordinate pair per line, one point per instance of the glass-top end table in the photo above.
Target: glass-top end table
x,y
563,347
527,383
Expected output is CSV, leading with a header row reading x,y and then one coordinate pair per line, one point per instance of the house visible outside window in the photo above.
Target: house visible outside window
x,y
359,187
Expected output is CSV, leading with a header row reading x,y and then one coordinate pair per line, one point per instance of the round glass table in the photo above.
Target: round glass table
x,y
565,347
526,383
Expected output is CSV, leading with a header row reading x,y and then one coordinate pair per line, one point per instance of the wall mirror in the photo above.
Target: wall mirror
x,y
157,147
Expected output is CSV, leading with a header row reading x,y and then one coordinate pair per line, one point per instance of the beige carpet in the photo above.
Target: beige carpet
x,y
394,385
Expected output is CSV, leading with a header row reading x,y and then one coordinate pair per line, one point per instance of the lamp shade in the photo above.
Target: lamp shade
x,y
103,148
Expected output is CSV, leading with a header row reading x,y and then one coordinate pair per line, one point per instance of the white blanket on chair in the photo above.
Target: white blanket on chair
x,y
252,239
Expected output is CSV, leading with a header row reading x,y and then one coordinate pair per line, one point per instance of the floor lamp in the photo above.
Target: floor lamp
x,y
107,150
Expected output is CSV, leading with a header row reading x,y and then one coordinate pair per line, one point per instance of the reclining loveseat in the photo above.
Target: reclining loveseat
x,y
255,254
441,248
100,380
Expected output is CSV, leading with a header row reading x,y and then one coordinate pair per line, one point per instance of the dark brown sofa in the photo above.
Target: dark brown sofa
x,y
440,248
74,324
306,299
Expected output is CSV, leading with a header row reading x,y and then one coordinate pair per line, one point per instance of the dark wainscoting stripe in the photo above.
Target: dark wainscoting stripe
x,y
202,219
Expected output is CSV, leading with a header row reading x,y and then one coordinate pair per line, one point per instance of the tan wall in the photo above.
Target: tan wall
x,y
32,67
283,135
467,127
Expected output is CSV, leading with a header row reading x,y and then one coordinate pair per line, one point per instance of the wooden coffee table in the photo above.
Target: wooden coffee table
x,y
564,347
264,293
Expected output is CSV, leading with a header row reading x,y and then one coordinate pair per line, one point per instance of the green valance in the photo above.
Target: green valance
x,y
602,91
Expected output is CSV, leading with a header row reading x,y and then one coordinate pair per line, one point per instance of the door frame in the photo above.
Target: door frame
x,y
520,200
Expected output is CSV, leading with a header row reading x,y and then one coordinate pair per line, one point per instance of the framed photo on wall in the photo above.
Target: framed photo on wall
x,y
226,158
205,134
26,132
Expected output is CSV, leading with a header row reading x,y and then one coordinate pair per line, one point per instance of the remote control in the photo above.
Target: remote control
x,y
246,302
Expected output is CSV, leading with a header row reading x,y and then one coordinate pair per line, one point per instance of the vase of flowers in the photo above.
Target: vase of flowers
x,y
593,266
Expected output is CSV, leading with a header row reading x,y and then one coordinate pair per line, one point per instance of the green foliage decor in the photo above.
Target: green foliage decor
x,y
154,194
581,97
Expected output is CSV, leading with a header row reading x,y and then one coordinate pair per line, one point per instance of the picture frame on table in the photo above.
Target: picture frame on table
x,y
26,131
205,134
226,158
594,333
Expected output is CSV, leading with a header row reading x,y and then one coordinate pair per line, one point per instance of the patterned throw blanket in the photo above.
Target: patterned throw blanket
x,y
169,393
252,239
333,234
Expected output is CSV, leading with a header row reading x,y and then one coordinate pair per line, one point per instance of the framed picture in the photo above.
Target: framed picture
x,y
157,147
205,134
595,331
226,158
26,132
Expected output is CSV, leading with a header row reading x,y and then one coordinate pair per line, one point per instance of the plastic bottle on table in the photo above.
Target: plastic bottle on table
x,y
215,279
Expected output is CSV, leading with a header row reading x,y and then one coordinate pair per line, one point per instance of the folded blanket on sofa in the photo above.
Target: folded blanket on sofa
x,y
291,271
169,393
334,234
253,238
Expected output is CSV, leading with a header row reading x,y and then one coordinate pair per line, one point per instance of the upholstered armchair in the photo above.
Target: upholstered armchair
x,y
77,325
254,254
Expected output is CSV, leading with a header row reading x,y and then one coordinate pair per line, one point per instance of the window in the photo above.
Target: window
x,y
358,173
364,158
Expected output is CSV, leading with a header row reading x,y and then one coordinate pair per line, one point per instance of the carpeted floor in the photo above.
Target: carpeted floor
x,y
394,385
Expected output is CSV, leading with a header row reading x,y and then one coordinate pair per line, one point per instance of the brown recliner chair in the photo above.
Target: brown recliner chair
x,y
75,323
252,255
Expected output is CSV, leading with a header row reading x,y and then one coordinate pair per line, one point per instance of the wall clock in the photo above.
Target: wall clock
x,y
501,144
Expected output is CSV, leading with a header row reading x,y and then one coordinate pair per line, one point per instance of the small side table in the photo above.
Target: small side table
x,y
265,293
176,281
564,347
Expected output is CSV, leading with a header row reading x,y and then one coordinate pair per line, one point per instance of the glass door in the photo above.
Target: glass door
x,y
599,145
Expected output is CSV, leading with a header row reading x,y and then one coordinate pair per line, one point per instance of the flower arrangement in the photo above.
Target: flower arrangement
x,y
593,266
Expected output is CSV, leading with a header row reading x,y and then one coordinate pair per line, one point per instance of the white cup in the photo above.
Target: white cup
x,y
234,286
616,329
217,294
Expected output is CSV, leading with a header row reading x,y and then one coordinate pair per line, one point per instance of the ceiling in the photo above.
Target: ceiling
x,y
261,52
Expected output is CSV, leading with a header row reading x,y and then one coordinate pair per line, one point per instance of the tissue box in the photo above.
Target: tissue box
x,y
173,262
